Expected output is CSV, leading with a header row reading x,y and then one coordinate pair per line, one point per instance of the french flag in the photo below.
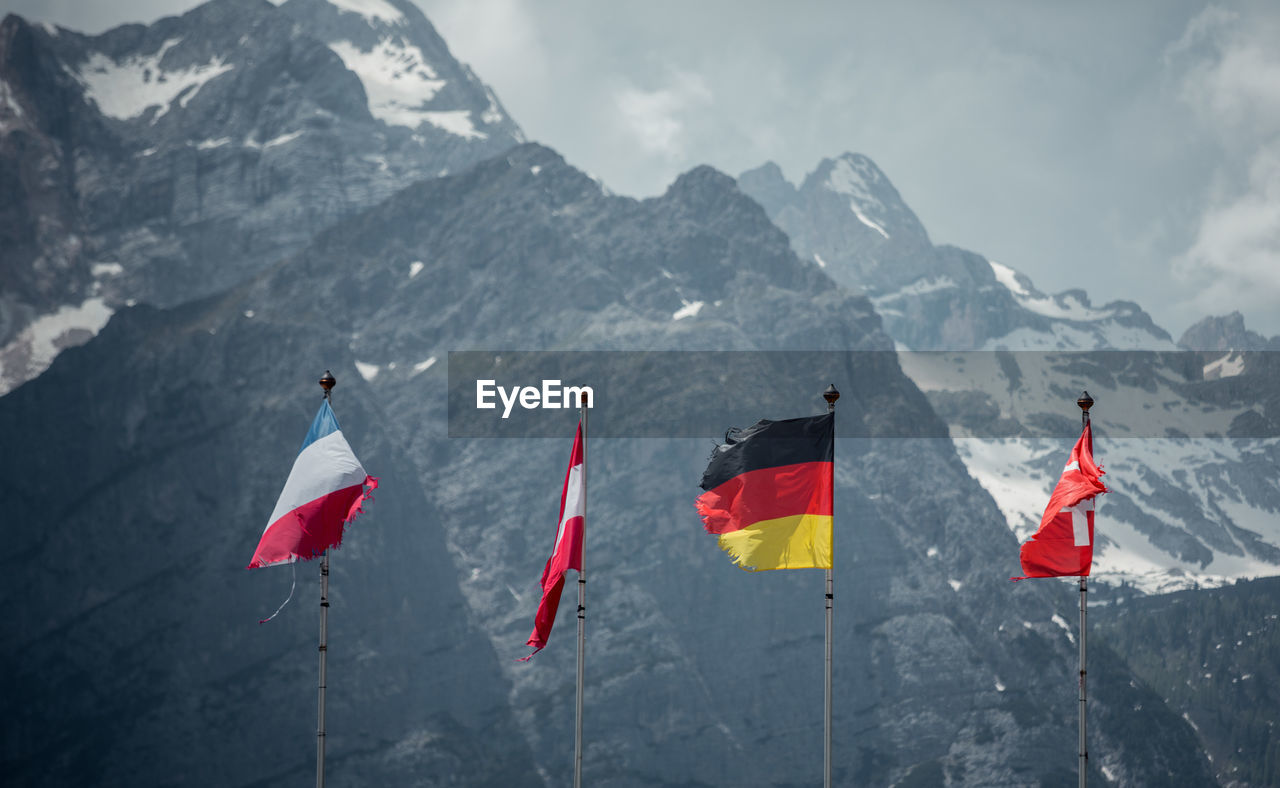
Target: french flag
x,y
324,492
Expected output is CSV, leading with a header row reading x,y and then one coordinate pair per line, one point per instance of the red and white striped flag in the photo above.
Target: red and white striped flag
x,y
567,552
1063,546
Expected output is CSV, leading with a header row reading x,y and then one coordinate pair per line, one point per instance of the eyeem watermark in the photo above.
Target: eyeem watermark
x,y
551,395
980,394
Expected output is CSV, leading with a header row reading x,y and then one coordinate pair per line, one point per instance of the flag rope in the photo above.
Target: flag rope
x,y
292,588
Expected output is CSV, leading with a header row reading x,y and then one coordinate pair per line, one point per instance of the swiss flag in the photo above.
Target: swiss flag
x,y
567,552
1063,546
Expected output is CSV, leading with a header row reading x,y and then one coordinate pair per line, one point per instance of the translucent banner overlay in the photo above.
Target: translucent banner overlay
x,y
884,394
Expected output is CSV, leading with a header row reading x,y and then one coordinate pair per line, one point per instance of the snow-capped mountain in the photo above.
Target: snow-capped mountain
x,y
696,670
160,163
849,219
1195,497
250,150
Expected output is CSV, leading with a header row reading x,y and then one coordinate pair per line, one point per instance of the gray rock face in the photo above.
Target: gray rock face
x,y
134,651
1225,332
41,262
1209,651
698,673
167,162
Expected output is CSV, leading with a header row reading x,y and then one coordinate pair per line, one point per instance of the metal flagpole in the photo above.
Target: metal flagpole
x,y
830,395
582,608
327,383
324,614
1085,402
1084,746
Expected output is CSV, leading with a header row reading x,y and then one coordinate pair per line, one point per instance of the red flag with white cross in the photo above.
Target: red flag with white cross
x,y
1063,546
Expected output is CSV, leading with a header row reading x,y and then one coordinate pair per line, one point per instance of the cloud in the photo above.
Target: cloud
x,y
1235,259
654,118
1232,73
1229,74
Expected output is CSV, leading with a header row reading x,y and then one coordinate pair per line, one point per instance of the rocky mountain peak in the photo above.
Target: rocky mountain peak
x,y
705,186
768,186
853,174
701,177
409,75
846,217
871,197
515,251
1223,332
282,160
164,162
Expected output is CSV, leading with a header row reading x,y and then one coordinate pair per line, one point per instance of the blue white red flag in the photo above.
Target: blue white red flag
x,y
324,492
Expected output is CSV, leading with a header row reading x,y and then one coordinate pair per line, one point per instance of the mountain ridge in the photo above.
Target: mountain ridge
x,y
666,604
1021,345
944,672
169,161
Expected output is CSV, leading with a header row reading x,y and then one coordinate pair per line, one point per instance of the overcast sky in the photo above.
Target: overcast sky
x,y
1132,149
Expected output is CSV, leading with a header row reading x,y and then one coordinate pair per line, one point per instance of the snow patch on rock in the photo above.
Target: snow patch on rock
x,y
283,139
35,348
689,309
373,10
128,88
455,121
397,79
1228,366
9,107
1062,622
862,217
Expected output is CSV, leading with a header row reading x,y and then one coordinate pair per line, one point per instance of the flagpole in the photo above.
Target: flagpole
x,y
1085,402
327,383
324,613
582,608
1084,746
830,395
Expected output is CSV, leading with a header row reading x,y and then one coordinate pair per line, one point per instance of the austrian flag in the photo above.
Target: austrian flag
x,y
1063,546
324,492
567,552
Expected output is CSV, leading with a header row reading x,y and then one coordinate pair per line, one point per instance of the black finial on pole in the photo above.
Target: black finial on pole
x,y
1085,402
831,395
327,383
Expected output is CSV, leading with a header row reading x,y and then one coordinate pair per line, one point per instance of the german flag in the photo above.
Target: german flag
x,y
769,494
